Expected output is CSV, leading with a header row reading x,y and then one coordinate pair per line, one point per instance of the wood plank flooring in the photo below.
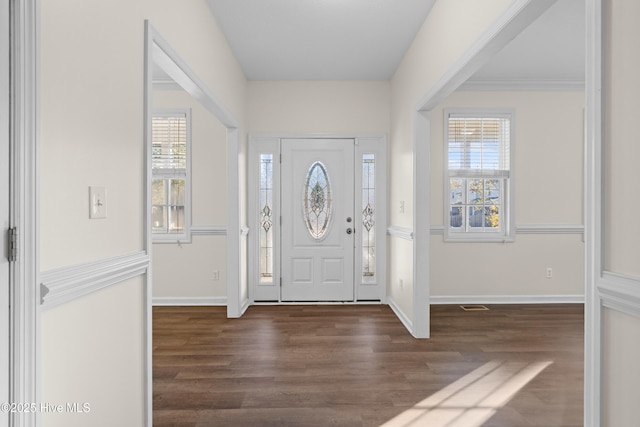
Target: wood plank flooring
x,y
357,366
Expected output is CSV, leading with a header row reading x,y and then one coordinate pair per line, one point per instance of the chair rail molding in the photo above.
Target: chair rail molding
x,y
530,229
620,292
400,232
549,229
208,230
62,285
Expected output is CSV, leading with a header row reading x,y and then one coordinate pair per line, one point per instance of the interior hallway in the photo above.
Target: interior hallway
x,y
320,365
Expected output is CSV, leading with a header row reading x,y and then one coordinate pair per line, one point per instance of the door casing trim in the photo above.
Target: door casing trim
x,y
24,209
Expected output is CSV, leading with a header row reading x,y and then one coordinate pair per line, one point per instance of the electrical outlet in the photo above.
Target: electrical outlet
x,y
549,272
216,275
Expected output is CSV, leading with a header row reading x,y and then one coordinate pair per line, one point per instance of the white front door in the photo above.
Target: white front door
x,y
4,209
317,228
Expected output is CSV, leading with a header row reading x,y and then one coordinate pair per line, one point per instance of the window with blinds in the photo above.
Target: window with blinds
x,y
478,175
170,195
169,142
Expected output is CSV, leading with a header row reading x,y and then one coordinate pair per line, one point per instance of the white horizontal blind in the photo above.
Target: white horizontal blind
x,y
479,145
169,143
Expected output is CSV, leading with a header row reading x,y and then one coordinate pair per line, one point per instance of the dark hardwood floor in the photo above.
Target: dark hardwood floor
x,y
357,366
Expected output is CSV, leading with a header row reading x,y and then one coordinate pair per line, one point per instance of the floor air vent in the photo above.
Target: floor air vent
x,y
474,307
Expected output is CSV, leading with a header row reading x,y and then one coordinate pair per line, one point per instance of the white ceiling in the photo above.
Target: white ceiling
x,y
320,39
549,53
366,39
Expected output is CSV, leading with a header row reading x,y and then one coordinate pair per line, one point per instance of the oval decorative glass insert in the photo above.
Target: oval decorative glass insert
x,y
317,200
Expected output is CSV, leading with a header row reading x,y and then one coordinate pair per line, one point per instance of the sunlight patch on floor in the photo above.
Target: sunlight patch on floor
x,y
473,399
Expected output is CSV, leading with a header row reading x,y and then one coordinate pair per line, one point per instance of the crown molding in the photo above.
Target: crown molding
x,y
523,84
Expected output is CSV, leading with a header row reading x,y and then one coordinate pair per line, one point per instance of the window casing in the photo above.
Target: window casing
x,y
479,175
171,176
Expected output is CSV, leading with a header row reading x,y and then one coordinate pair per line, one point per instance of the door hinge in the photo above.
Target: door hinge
x,y
280,157
13,244
281,282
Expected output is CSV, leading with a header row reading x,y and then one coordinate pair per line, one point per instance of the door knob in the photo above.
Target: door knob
x,y
349,219
349,231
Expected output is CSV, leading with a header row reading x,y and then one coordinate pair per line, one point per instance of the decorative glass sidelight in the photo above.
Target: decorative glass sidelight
x,y
368,215
266,218
317,200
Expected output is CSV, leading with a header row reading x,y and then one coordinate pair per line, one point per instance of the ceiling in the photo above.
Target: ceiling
x,y
290,40
366,39
550,53
320,39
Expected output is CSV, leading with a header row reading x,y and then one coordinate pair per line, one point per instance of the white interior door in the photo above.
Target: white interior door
x,y
4,209
317,230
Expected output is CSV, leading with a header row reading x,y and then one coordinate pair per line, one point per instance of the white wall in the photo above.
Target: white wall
x,y
620,331
622,227
548,178
621,373
450,29
186,269
303,107
91,133
90,129
92,354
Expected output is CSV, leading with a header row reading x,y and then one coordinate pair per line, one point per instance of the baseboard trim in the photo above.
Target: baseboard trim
x,y
401,315
244,306
62,285
190,301
507,299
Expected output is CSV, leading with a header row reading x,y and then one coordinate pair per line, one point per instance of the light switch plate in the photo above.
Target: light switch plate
x,y
97,202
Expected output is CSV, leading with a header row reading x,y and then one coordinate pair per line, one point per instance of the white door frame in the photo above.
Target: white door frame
x,y
25,313
5,340
158,52
376,290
